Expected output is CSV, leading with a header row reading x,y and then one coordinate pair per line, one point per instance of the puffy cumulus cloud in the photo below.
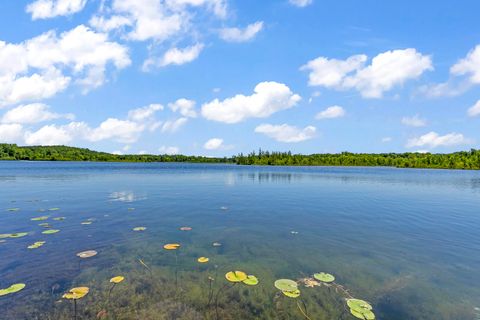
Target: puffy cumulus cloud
x,y
241,35
175,56
301,3
43,9
286,133
469,66
185,107
331,113
474,110
124,131
386,71
214,144
55,135
433,140
144,113
169,150
219,7
172,126
268,98
11,133
414,121
35,69
32,113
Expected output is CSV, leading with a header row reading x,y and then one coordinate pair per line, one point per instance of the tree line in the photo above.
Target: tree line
x,y
458,160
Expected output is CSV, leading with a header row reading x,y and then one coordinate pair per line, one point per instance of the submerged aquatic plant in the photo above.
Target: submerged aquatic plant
x,y
174,247
12,289
76,294
114,281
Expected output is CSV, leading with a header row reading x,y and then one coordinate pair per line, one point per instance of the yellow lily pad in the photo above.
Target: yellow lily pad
x,y
139,228
236,276
87,254
117,279
171,246
292,294
51,231
42,218
36,245
203,259
76,293
12,289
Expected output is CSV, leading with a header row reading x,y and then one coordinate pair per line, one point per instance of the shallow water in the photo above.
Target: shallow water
x,y
406,240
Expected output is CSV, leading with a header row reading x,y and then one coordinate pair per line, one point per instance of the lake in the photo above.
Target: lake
x,y
405,240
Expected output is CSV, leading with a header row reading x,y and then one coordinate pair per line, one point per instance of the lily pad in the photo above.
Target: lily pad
x,y
203,259
324,277
292,294
139,228
117,279
360,309
236,276
186,228
53,209
36,245
18,235
13,209
12,289
76,293
251,280
86,222
286,285
51,231
42,218
171,246
59,218
87,254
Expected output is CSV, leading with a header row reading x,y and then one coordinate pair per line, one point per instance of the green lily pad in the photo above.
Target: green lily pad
x,y
36,245
13,209
42,218
45,225
292,294
286,285
4,235
12,289
59,218
251,281
360,309
53,209
324,277
51,231
18,235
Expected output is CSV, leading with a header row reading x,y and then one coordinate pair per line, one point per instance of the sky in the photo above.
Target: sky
x,y
222,77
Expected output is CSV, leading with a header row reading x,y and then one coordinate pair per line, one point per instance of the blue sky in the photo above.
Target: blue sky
x,y
220,77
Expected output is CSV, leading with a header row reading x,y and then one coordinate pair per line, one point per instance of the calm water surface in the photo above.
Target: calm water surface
x,y
408,241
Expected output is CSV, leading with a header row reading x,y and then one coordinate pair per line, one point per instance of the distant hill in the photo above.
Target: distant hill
x,y
458,160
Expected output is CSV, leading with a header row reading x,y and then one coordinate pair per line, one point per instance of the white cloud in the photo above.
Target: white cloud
x,y
214,144
43,9
55,135
241,35
287,133
386,71
145,113
185,107
414,121
331,113
433,140
386,139
169,150
124,131
301,3
268,98
469,66
219,7
35,69
32,113
474,110
175,56
172,126
11,133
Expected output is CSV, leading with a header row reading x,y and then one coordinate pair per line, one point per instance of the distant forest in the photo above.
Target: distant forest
x,y
458,160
